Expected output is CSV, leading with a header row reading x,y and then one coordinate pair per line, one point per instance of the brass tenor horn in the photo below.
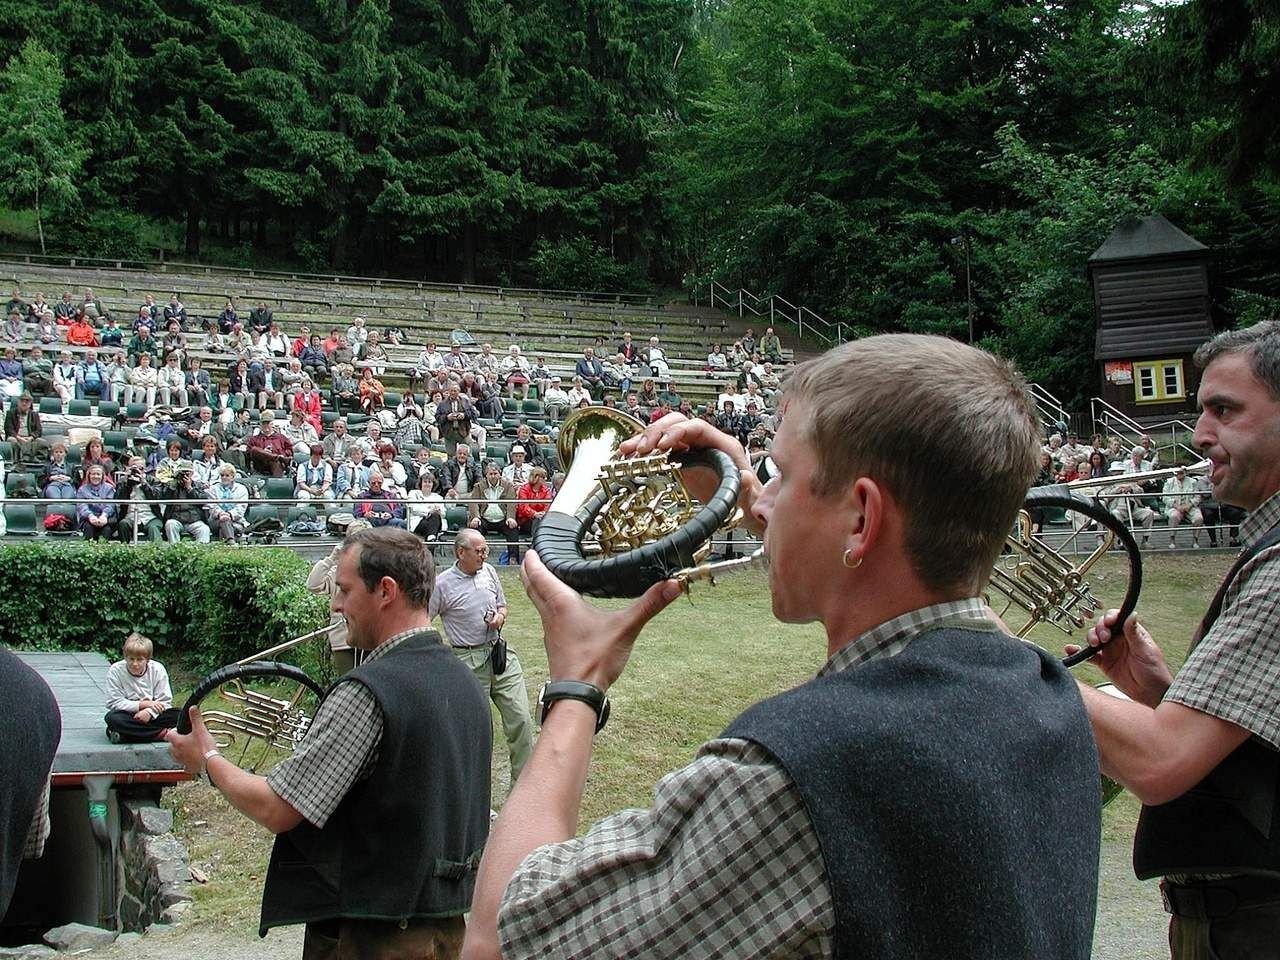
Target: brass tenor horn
x,y
262,705
618,526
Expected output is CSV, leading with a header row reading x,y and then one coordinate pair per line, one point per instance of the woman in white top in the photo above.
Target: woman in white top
x,y
64,378
717,362
578,393
515,372
172,382
731,395
657,359
260,347
142,383
424,509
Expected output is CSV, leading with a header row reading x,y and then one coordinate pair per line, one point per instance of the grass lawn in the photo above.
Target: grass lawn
x,y
694,669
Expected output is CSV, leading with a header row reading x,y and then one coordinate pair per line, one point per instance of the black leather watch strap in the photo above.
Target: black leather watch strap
x,y
588,693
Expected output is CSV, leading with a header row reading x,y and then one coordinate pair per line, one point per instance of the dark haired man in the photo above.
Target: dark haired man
x,y
888,808
381,811
1201,749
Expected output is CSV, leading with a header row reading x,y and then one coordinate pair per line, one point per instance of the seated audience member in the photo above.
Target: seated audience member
x,y
171,383
239,342
534,496
228,501
269,451
372,392
199,389
207,465
344,391
111,335
374,356
1182,498
143,342
578,393
95,453
277,343
343,354
309,401
37,307
139,700
64,378
97,518
422,462
47,330
22,428
313,478
459,475
56,481
378,504
10,376
352,476
64,310
515,372
370,442
484,360
394,475
491,508
171,464
336,442
747,375
141,513
454,417
424,508
260,318
717,362
300,433
588,373
238,385
648,395
656,357
1124,500
556,400
149,305
748,342
540,376
235,434
315,363
118,371
516,472
357,335
37,373
14,329
81,333
228,318
489,403
174,343
186,516
617,374
144,381
265,384
730,395
771,346
92,378
302,341
174,310
430,361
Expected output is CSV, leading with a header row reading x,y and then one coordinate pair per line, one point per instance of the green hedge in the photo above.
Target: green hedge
x,y
209,605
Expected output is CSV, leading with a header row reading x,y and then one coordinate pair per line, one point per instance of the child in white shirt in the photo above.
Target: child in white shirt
x,y
139,699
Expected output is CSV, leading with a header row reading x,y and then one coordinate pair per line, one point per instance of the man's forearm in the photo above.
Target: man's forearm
x,y
1158,754
543,808
252,795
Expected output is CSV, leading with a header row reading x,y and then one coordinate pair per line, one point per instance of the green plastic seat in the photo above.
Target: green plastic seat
x,y
19,480
79,408
533,407
50,405
20,519
108,408
510,405
279,488
456,517
116,441
135,411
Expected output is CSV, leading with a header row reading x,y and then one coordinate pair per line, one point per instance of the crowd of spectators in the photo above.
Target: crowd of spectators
x,y
260,404
1174,500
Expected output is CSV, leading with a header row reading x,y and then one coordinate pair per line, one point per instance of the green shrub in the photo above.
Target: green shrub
x,y
212,605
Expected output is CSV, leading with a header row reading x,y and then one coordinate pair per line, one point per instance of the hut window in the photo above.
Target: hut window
x,y
1155,381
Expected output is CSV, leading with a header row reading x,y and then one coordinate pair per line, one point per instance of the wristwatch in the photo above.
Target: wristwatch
x,y
588,693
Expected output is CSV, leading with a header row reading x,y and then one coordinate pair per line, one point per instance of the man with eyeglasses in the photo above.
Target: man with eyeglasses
x,y
469,600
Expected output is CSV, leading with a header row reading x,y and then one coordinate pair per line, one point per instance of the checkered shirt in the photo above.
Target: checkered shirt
x,y
339,750
1234,672
724,864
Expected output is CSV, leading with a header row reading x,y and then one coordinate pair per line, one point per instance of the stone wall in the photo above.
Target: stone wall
x,y
154,872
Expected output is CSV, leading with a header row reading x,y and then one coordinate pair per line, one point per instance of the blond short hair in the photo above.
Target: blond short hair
x,y
137,643
948,429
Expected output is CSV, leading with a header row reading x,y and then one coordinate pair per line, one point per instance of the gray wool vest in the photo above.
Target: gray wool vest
x,y
954,789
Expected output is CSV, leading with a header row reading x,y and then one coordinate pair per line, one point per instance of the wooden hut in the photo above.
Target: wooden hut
x,y
1151,300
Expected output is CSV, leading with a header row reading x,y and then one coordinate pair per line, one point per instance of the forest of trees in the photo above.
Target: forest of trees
x,y
892,164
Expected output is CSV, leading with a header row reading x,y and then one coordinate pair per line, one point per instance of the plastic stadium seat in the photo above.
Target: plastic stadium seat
x,y
67,510
21,519
391,399
497,450
536,426
108,408
50,405
135,411
456,517
6,451
303,511
116,441
18,480
510,405
327,417
279,488
510,425
74,454
532,407
79,408
261,511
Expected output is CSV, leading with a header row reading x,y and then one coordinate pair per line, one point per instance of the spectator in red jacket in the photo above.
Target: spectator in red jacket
x,y
534,498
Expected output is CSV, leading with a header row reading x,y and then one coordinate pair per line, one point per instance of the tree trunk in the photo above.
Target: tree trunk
x,y
39,221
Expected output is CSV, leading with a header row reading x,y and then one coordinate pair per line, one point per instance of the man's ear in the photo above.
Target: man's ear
x,y
864,503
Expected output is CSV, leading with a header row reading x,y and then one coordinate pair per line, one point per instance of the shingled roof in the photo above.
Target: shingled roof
x,y
1144,239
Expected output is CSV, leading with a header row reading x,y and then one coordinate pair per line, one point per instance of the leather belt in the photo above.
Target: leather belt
x,y
1215,899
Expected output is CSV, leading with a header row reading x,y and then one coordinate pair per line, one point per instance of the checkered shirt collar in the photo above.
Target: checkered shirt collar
x,y
1261,520
892,636
392,642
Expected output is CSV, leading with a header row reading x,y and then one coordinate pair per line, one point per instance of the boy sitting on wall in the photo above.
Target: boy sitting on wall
x,y
139,699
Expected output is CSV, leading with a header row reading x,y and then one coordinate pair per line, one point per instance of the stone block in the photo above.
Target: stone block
x,y
175,913
128,940
79,936
171,893
30,951
145,817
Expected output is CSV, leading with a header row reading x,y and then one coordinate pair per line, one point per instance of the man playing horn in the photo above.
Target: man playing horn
x,y
381,812
895,806
1201,749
